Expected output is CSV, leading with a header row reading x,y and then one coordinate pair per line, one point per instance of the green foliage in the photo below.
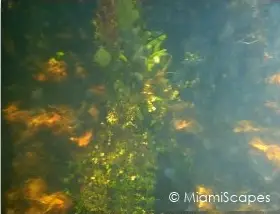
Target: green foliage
x,y
127,14
155,53
59,54
122,57
155,44
102,57
119,172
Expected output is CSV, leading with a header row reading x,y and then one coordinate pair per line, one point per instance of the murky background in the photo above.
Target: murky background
x,y
109,106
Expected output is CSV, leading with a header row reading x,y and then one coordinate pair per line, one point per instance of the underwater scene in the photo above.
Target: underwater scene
x,y
140,106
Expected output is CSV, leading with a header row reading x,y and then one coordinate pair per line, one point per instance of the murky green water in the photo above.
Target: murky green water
x,y
134,106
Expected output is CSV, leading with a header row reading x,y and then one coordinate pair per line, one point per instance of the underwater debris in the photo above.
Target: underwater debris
x,y
59,119
54,70
94,112
80,71
273,106
274,79
203,192
182,124
34,188
44,119
246,126
41,77
13,114
13,195
258,144
267,161
83,140
272,152
190,126
97,90
267,56
33,210
56,203
34,191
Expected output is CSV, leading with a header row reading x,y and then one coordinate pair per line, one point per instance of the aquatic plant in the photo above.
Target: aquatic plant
x,y
118,173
